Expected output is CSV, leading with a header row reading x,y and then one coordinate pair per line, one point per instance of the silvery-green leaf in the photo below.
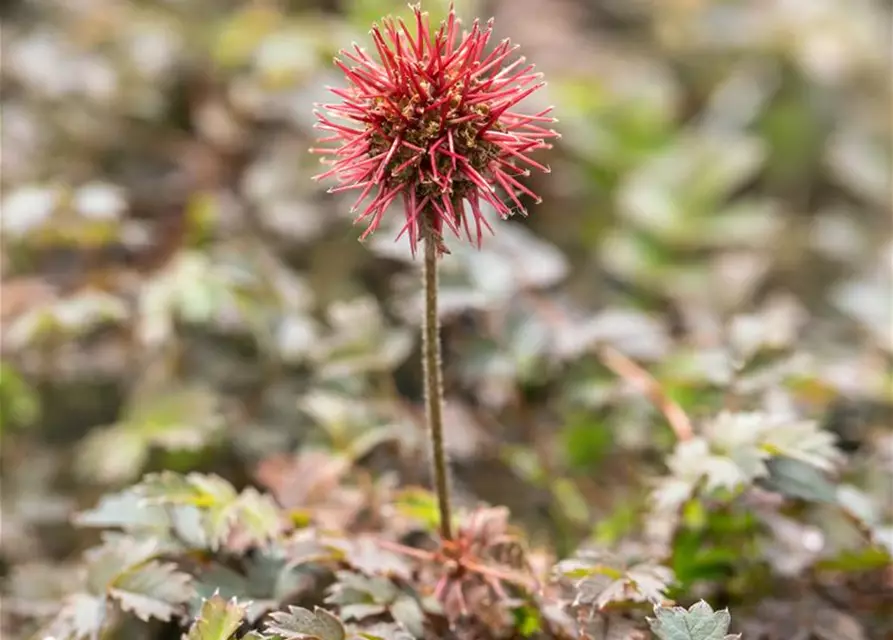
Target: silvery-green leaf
x,y
218,619
699,622
303,624
798,479
153,590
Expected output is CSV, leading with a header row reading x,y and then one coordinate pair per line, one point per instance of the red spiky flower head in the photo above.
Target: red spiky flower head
x,y
431,122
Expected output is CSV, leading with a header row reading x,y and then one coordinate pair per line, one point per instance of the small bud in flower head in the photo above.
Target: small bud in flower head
x,y
429,120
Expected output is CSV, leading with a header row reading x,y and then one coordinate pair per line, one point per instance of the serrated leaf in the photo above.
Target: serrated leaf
x,y
117,555
218,619
736,439
303,624
81,617
692,462
699,622
197,489
695,459
258,518
245,518
737,449
270,576
154,590
760,436
602,579
124,511
804,441
229,584
353,588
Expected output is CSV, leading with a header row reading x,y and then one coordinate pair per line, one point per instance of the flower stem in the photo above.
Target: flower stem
x,y
432,369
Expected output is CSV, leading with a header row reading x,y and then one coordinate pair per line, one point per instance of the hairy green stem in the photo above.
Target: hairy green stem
x,y
432,369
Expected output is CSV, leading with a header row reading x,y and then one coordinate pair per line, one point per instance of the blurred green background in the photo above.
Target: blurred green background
x,y
178,294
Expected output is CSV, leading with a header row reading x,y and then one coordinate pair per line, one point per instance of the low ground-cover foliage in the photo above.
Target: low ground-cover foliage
x,y
667,393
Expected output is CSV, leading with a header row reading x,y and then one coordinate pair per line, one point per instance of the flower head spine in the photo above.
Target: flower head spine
x,y
430,123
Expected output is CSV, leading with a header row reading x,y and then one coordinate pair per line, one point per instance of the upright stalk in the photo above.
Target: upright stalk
x,y
433,373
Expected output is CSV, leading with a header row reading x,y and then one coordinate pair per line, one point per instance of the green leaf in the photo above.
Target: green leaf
x,y
527,620
303,624
419,504
154,590
218,620
799,479
21,404
586,442
858,561
699,622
